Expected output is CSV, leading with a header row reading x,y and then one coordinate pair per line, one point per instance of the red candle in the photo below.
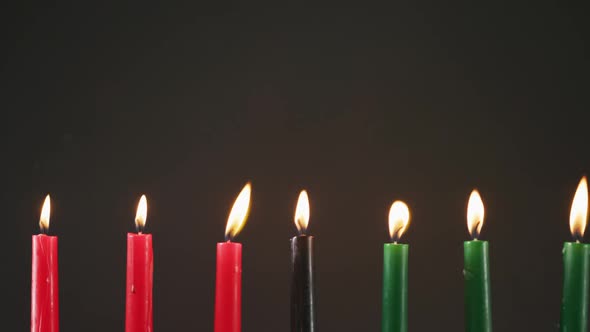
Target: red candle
x,y
44,281
228,283
140,268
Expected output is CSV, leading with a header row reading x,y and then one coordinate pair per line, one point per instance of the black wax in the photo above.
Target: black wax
x,y
302,288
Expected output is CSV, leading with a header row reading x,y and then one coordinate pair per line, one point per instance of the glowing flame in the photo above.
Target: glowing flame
x,y
475,214
302,212
239,213
399,219
45,213
579,211
141,215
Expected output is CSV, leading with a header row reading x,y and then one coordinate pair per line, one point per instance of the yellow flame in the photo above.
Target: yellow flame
x,y
141,215
399,219
302,212
45,213
579,210
239,213
475,214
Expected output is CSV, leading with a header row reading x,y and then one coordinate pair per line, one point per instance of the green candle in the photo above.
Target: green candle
x,y
395,272
574,303
576,267
476,271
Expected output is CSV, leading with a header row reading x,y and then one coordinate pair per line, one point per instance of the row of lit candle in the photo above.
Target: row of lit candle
x,y
45,309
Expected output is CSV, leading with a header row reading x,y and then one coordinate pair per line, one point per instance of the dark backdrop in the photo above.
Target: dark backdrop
x,y
359,105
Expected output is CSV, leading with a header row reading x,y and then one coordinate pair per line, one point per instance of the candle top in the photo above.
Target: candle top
x,y
475,214
399,219
239,213
302,213
45,214
579,210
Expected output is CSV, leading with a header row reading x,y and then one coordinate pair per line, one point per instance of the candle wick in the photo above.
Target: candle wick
x,y
577,237
395,237
475,234
139,229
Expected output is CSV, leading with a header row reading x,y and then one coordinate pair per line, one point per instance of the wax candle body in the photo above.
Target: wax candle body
x,y
228,288
302,285
394,317
478,311
44,285
574,302
140,267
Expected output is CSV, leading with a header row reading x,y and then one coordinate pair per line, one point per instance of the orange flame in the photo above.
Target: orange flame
x,y
579,210
302,212
141,215
239,213
475,214
45,214
399,219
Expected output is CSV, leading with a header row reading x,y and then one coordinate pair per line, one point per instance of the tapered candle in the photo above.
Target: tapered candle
x,y
44,278
476,271
394,316
140,270
302,286
576,256
228,282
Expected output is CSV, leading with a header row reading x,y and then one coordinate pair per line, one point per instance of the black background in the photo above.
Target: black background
x,y
359,105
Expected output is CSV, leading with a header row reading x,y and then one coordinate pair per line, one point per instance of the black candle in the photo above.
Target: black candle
x,y
302,289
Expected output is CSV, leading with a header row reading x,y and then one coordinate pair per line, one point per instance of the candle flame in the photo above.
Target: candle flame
x,y
302,212
239,213
475,214
579,210
45,213
141,215
399,219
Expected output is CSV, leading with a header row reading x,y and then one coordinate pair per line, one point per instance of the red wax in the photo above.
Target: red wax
x,y
44,288
228,288
140,268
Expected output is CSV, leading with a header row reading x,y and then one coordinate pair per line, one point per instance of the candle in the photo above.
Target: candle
x,y
478,310
140,268
394,316
44,281
302,287
228,282
574,302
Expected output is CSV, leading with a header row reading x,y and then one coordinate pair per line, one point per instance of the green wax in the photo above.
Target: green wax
x,y
574,302
395,288
478,309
